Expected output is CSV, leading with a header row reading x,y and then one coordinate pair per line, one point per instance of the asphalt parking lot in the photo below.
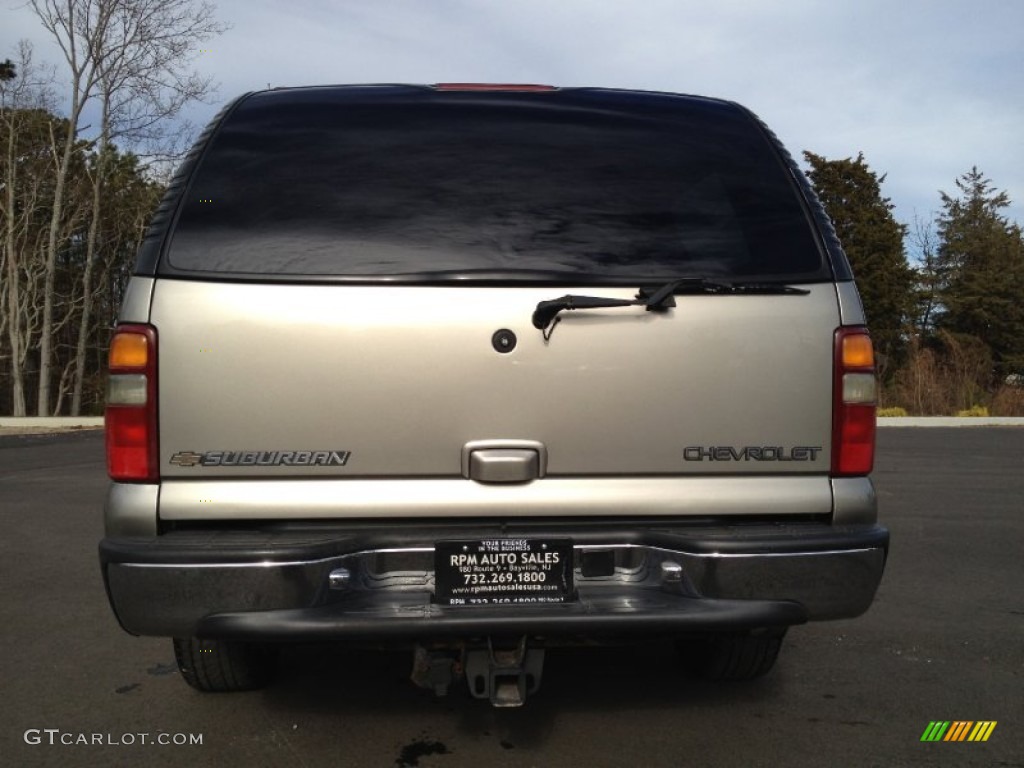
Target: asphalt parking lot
x,y
944,641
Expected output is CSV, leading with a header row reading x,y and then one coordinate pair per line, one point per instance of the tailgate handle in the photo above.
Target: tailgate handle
x,y
514,461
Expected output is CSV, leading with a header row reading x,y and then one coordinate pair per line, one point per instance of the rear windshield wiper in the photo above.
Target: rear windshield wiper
x,y
545,316
660,298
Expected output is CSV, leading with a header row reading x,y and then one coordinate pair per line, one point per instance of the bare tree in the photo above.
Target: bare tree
x,y
26,127
136,56
145,81
79,27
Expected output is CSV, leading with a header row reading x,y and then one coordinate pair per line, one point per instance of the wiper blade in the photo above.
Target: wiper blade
x,y
769,289
661,298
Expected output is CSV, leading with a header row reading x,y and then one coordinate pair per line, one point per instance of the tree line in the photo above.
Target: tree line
x,y
949,329
77,191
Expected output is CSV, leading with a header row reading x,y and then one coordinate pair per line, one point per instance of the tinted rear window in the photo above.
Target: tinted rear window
x,y
575,186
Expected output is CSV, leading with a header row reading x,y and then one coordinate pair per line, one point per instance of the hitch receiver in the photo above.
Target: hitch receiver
x,y
504,674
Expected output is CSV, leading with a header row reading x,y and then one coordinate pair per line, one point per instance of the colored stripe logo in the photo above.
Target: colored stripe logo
x,y
958,730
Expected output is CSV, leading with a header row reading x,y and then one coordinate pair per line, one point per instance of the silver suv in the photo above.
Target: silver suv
x,y
480,368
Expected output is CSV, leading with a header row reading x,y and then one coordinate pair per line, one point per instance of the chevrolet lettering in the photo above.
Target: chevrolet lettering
x,y
751,453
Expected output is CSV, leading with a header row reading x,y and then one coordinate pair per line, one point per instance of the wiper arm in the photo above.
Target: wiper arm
x,y
546,311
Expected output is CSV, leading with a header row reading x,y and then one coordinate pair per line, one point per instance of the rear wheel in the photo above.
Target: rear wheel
x,y
221,666
731,655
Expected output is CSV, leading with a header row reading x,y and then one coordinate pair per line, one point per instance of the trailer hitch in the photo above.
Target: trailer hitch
x,y
504,671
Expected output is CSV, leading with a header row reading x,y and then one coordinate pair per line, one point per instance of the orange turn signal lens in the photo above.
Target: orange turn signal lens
x,y
857,351
129,350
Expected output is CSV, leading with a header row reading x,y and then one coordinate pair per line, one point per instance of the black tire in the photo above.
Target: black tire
x,y
731,655
223,666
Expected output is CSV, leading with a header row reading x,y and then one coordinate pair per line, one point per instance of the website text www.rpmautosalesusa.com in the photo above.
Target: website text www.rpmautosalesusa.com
x,y
478,589
55,737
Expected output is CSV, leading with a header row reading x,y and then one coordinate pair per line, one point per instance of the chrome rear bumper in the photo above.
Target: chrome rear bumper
x,y
284,585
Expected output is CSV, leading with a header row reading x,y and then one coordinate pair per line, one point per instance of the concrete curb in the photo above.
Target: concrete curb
x,y
70,422
951,421
51,422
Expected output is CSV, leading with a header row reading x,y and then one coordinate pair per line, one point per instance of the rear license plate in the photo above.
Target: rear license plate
x,y
503,571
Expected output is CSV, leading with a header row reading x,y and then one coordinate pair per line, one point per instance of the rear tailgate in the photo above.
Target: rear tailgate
x,y
393,382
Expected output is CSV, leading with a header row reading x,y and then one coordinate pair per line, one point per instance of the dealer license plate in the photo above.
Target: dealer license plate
x,y
503,571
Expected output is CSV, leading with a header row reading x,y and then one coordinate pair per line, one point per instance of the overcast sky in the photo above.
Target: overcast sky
x,y
924,88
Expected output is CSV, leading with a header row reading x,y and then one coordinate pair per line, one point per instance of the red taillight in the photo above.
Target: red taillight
x,y
855,398
131,423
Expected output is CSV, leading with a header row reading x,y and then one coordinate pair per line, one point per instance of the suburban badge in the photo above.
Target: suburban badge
x,y
261,459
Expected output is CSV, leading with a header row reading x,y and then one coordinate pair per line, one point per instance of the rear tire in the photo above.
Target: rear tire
x,y
731,655
222,666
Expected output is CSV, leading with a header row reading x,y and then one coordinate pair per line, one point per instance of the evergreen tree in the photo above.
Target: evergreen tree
x,y
873,241
981,269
